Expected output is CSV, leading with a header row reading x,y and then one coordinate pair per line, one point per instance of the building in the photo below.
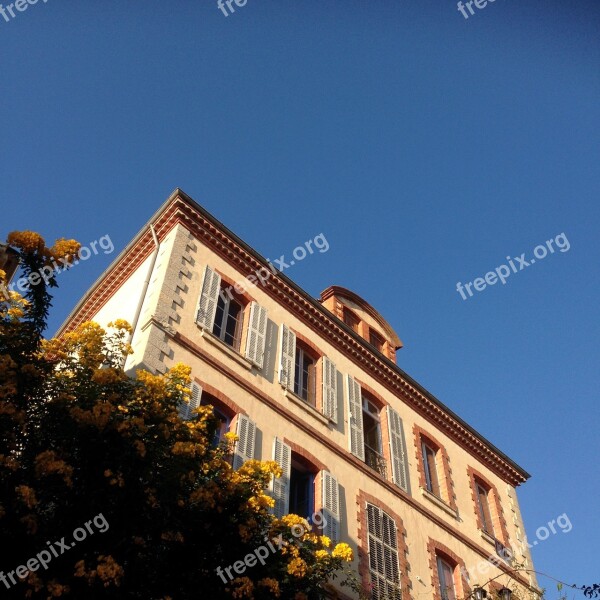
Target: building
x,y
428,504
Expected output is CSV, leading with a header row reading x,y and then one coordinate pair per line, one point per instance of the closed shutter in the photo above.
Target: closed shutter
x,y
355,418
207,305
280,486
330,494
244,447
383,555
187,409
287,363
330,390
397,449
257,330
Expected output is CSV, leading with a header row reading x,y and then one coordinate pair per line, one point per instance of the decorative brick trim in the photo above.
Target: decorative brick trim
x,y
306,455
436,549
446,483
498,518
380,400
311,345
220,396
181,209
494,588
362,498
228,282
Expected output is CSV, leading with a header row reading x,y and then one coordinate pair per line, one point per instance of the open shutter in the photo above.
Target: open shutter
x,y
287,363
355,418
187,409
330,408
280,486
257,330
331,506
207,305
244,447
397,449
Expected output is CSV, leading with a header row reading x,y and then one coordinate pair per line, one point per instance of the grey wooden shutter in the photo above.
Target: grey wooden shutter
x,y
244,447
257,330
330,494
384,566
355,418
287,363
187,409
209,296
397,449
330,405
280,486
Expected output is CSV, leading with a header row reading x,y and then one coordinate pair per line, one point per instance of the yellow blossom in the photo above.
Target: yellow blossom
x,y
297,567
272,585
26,241
343,551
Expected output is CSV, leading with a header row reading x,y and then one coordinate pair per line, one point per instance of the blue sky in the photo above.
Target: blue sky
x,y
427,148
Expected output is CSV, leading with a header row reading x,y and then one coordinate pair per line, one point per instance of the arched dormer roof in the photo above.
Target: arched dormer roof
x,y
337,299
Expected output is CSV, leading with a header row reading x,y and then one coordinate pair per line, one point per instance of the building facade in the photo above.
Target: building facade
x,y
428,505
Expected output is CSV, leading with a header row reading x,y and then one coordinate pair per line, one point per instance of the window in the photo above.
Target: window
x,y
430,467
305,376
376,340
221,311
365,435
228,321
446,579
483,505
383,555
302,491
351,320
372,437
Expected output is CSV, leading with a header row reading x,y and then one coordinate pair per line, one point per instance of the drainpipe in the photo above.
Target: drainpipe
x,y
138,310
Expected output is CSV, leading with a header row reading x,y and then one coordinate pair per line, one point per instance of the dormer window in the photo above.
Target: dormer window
x,y
351,320
376,340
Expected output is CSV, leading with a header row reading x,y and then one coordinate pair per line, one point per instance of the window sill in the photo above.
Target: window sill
x,y
307,407
213,340
487,537
439,502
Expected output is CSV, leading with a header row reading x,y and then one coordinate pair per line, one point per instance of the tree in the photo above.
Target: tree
x,y
106,492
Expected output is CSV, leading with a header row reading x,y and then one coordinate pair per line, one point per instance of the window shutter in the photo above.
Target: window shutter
x,y
330,390
280,486
257,330
207,305
397,449
187,409
244,447
330,494
355,418
383,554
287,363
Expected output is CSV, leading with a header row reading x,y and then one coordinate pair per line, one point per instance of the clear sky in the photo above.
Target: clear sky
x,y
426,147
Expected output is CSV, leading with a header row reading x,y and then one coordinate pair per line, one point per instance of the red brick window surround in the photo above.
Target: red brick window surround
x,y
379,547
441,558
433,456
489,515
